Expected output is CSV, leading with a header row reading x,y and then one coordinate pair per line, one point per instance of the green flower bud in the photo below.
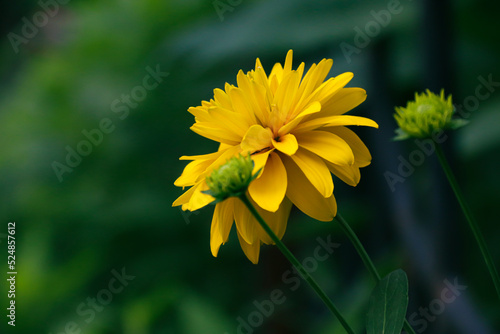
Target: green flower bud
x,y
429,113
231,179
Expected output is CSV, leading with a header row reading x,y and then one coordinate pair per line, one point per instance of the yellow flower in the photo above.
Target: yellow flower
x,y
294,127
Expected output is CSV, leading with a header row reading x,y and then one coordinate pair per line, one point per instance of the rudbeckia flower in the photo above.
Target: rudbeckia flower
x,y
294,127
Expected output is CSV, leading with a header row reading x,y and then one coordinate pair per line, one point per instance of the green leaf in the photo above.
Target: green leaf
x,y
387,305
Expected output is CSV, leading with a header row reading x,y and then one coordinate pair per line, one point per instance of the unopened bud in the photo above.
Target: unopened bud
x,y
231,179
429,113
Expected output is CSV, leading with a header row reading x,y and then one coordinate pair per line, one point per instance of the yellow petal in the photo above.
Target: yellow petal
x,y
259,160
215,235
257,138
348,174
306,197
191,172
222,99
223,157
344,100
232,120
261,79
262,102
255,95
200,114
331,87
285,95
315,170
258,66
315,77
245,223
223,147
288,62
251,250
199,199
362,156
241,105
286,144
216,133
275,78
210,156
225,215
277,221
328,146
194,199
313,108
225,153
337,120
351,120
184,198
326,90
269,189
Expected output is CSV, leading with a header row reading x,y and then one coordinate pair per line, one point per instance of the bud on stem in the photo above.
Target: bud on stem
x,y
231,179
425,116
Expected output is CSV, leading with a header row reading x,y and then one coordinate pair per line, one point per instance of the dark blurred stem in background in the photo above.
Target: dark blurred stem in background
x,y
429,237
438,60
436,40
476,230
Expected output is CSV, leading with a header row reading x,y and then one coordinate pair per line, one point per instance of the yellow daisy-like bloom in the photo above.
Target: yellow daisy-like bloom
x,y
294,127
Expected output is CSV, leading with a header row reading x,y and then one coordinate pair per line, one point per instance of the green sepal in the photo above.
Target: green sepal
x,y
400,135
458,123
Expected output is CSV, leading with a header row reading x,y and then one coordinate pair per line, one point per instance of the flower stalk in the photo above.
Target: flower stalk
x,y
469,217
293,260
365,258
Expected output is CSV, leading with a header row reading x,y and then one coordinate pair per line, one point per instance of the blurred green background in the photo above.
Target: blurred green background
x,y
111,214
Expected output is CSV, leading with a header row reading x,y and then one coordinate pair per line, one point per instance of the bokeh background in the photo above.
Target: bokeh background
x,y
111,214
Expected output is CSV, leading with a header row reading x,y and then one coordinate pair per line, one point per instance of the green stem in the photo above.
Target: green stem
x,y
293,260
365,258
470,218
359,247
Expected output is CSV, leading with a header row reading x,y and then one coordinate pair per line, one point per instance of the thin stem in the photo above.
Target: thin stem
x,y
359,247
293,260
365,258
470,218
